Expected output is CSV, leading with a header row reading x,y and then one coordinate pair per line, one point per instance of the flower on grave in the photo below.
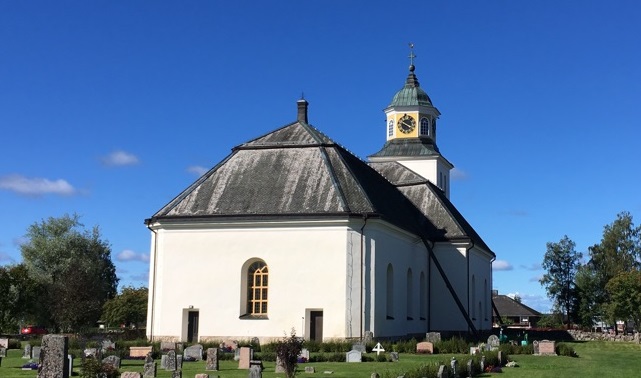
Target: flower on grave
x,y
30,365
302,360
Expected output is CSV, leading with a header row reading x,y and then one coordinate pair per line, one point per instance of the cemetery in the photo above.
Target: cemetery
x,y
59,356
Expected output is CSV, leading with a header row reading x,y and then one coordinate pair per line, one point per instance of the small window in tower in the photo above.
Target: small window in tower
x,y
390,127
425,126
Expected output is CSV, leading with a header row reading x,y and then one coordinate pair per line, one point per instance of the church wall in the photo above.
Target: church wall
x,y
403,251
203,268
445,314
481,289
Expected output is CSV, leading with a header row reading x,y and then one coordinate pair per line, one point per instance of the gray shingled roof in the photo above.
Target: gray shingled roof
x,y
431,201
509,307
408,147
295,171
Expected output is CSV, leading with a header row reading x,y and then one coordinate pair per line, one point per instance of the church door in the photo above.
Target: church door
x,y
316,326
192,326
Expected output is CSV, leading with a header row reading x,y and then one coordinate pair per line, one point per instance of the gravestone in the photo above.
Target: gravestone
x,y
4,343
375,375
112,360
393,356
310,369
236,354
304,353
368,337
255,372
433,337
180,347
470,372
493,341
139,352
547,348
535,347
163,362
53,358
108,345
232,344
35,352
90,352
280,368
354,356
202,375
194,352
212,359
454,366
179,362
166,346
474,351
482,363
177,374
3,352
130,374
26,352
442,372
500,357
246,355
149,369
425,347
359,347
170,363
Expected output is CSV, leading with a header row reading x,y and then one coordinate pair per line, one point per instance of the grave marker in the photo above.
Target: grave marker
x,y
354,356
378,349
535,347
310,369
4,343
194,352
26,352
494,342
425,347
212,359
547,348
393,356
53,359
246,355
433,337
35,352
112,360
442,372
170,362
255,371
454,366
149,369
3,352
166,346
130,374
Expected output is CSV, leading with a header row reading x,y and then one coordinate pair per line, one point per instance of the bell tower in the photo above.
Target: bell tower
x,y
410,129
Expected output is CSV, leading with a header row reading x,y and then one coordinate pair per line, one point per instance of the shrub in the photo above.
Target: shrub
x,y
92,368
563,349
455,345
14,344
287,351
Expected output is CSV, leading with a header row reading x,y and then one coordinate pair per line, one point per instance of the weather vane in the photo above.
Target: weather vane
x,y
412,56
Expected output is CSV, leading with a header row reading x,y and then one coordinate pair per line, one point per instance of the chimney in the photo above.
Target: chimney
x,y
302,110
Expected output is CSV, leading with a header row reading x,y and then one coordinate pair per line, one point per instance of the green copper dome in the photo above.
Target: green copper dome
x,y
411,94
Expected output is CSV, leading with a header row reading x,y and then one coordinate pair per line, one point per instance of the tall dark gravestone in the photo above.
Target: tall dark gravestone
x,y
53,357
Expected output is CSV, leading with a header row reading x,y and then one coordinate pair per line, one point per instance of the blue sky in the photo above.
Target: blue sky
x,y
110,108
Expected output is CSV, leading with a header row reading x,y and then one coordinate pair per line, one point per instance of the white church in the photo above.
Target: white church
x,y
292,231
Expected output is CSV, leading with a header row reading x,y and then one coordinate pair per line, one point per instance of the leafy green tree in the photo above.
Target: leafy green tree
x,y
128,307
553,320
619,251
589,296
19,299
625,297
75,268
561,261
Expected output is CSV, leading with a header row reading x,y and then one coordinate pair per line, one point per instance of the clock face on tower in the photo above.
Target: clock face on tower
x,y
406,124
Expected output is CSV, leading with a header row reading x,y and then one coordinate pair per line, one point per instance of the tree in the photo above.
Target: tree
x,y
625,297
74,265
589,296
561,262
19,298
619,251
287,351
128,307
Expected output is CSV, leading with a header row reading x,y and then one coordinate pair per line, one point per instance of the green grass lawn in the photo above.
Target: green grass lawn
x,y
596,359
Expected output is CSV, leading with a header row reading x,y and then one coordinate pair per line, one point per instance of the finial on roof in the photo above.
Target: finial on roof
x,y
412,56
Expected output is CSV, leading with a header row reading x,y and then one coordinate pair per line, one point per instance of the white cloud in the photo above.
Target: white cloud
x,y
142,277
458,175
533,266
535,279
129,255
498,265
120,158
197,170
35,185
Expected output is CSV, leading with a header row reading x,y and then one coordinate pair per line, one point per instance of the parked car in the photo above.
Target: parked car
x,y
34,330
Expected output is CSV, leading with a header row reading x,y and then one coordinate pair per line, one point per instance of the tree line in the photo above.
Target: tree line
x,y
606,285
66,281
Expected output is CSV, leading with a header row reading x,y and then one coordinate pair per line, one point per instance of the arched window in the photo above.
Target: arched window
x,y
390,127
390,292
423,296
425,126
410,296
257,280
